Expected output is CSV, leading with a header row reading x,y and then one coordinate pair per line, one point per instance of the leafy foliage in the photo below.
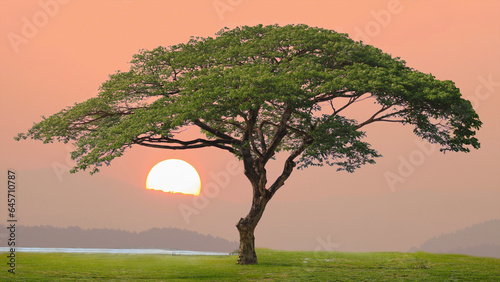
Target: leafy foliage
x,y
256,91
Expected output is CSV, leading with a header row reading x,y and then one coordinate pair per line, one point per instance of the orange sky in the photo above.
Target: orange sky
x,y
57,52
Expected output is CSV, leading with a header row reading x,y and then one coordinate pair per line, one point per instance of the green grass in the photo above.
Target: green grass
x,y
273,266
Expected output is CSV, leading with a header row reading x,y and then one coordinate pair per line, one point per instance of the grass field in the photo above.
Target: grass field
x,y
273,265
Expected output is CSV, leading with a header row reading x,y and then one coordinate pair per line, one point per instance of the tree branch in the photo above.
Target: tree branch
x,y
88,118
250,130
328,96
374,117
182,145
288,168
261,136
278,135
215,132
248,161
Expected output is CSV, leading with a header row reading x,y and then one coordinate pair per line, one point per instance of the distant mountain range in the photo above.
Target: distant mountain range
x,y
481,239
158,238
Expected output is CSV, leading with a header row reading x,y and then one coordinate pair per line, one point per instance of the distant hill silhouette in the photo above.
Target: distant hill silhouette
x,y
481,239
160,238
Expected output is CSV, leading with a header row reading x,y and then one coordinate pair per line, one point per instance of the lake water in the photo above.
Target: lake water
x,y
114,251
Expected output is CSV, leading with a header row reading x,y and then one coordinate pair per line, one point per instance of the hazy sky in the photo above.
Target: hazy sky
x,y
54,53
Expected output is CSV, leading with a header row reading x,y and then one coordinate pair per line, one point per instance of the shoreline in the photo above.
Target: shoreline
x,y
113,251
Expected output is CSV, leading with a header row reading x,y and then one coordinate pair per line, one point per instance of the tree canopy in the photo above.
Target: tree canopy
x,y
263,88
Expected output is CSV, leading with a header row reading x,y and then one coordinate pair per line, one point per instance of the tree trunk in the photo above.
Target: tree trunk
x,y
247,253
246,227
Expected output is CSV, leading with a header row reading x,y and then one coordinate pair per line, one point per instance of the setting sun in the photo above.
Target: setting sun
x,y
175,176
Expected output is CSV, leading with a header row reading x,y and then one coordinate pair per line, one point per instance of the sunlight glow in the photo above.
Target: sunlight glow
x,y
175,176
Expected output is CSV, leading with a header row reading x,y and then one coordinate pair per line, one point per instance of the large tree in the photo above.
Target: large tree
x,y
255,92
